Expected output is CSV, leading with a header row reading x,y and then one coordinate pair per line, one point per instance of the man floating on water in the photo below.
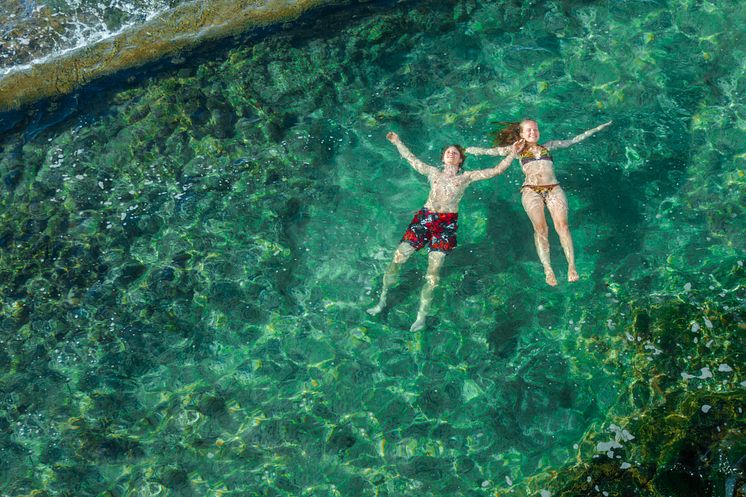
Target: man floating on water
x,y
436,223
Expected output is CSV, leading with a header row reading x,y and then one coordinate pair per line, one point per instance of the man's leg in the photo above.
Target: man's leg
x,y
434,262
403,251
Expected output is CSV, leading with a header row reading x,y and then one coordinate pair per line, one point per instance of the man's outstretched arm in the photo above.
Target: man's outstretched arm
x,y
416,163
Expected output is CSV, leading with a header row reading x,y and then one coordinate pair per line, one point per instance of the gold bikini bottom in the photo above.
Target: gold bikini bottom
x,y
542,190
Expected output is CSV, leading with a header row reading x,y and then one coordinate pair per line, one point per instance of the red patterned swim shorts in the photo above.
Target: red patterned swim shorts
x,y
437,228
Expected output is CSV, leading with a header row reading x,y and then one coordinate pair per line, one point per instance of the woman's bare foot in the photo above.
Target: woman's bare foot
x,y
419,324
551,278
373,311
572,274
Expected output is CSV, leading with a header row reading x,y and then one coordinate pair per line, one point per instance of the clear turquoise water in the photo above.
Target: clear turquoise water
x,y
187,255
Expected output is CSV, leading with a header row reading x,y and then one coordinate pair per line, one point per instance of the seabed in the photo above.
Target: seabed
x,y
187,250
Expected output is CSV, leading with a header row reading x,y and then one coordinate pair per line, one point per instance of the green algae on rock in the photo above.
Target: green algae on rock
x,y
678,427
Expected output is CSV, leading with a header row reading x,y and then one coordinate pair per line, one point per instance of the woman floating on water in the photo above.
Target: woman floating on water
x,y
540,188
436,223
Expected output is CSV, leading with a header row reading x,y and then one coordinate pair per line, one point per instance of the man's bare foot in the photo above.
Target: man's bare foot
x,y
551,278
572,274
419,324
374,311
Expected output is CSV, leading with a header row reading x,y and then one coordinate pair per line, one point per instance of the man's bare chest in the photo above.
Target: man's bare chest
x,y
449,184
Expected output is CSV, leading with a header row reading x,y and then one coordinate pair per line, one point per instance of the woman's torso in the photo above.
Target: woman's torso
x,y
537,165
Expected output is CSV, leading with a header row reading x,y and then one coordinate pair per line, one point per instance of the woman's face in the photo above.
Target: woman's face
x,y
452,157
530,131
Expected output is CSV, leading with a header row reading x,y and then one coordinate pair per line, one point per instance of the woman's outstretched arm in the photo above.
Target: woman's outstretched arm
x,y
481,174
572,141
494,151
416,163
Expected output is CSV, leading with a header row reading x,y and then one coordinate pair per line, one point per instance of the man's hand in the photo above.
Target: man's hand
x,y
392,137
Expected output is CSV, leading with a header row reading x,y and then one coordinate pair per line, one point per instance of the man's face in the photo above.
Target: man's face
x,y
452,157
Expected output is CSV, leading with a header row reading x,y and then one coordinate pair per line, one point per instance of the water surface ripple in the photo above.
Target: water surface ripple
x,y
186,258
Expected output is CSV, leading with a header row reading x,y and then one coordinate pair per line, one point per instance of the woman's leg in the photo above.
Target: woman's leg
x,y
403,251
558,208
533,204
434,262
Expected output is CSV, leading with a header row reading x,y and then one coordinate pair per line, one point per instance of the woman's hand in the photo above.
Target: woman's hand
x,y
392,137
604,125
517,147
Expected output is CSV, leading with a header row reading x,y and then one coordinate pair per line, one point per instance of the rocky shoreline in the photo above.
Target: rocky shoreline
x,y
182,27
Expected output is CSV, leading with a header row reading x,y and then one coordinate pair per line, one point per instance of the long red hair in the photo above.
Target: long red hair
x,y
508,133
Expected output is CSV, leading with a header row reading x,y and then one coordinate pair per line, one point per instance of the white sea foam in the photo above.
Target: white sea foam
x,y
86,23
